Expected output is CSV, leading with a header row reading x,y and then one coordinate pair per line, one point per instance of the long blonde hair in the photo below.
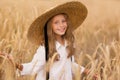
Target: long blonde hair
x,y
69,37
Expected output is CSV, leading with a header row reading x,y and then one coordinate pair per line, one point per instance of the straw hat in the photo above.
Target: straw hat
x,y
75,10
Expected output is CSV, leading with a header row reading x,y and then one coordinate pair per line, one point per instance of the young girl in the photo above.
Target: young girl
x,y
52,31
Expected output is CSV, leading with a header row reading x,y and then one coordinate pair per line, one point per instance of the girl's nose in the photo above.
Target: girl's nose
x,y
61,24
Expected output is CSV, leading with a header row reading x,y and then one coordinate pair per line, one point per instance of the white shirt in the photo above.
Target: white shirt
x,y
60,70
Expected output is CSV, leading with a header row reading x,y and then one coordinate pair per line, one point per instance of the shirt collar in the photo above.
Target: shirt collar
x,y
58,45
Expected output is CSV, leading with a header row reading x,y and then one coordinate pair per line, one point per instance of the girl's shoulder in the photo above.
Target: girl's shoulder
x,y
41,48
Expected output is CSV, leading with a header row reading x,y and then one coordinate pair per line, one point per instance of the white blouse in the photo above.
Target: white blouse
x,y
60,70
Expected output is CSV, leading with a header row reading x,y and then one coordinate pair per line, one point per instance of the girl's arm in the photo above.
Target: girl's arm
x,y
74,64
35,65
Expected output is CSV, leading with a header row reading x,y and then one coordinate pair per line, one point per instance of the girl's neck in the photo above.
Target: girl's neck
x,y
60,39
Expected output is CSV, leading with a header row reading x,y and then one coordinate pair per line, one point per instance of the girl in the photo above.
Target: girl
x,y
52,31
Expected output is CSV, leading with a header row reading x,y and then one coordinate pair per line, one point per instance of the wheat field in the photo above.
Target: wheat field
x,y
97,40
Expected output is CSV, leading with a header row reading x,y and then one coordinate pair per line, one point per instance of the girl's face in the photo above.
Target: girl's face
x,y
59,24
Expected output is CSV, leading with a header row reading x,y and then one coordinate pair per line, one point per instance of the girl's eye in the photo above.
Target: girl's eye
x,y
63,21
56,22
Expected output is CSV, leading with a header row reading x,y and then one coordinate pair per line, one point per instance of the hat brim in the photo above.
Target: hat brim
x,y
75,10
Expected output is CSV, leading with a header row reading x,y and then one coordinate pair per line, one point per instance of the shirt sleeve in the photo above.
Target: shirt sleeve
x,y
75,65
36,64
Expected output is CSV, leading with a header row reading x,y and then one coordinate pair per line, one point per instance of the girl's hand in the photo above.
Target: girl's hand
x,y
87,71
57,57
95,76
19,66
10,57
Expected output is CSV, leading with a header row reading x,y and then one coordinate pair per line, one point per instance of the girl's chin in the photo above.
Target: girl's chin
x,y
61,34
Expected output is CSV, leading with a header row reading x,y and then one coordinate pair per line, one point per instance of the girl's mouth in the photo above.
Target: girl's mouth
x,y
62,30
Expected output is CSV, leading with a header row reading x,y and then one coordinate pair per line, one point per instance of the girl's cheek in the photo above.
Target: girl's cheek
x,y
66,24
